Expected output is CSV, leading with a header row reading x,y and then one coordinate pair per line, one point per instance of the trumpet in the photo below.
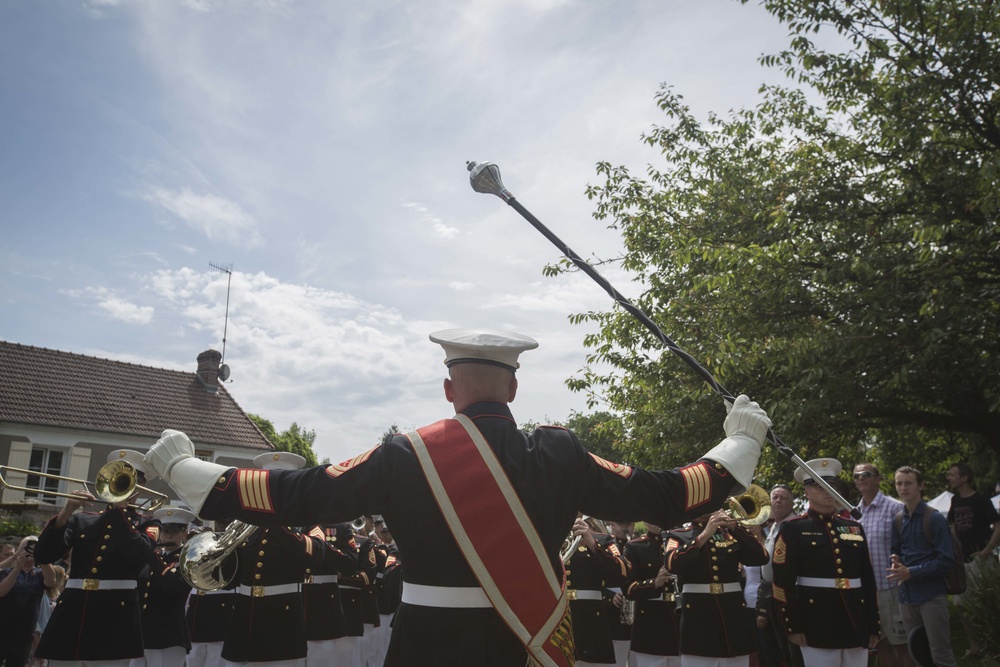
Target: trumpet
x,y
753,508
573,541
116,481
358,525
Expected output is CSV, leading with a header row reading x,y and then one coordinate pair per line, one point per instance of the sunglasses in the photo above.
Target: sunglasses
x,y
865,474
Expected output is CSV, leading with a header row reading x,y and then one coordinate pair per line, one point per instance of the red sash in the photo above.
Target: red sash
x,y
496,536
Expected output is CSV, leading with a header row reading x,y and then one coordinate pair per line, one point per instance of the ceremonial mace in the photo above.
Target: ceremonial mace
x,y
485,178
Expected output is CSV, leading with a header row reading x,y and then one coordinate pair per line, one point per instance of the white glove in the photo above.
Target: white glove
x,y
193,479
746,427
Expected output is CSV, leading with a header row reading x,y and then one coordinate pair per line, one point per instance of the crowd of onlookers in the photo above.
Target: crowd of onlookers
x,y
911,550
28,593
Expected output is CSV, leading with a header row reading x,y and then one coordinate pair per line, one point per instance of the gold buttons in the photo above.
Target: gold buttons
x,y
260,564
715,577
93,570
840,570
99,559
108,526
263,541
715,568
256,576
260,553
222,480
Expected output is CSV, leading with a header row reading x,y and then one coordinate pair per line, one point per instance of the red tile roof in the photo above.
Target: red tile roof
x,y
65,390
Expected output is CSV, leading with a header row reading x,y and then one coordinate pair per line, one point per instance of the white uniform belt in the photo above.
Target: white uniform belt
x,y
822,582
575,594
349,587
218,591
714,589
441,596
322,579
101,584
265,591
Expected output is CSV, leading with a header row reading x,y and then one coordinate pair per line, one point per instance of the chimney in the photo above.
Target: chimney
x,y
208,370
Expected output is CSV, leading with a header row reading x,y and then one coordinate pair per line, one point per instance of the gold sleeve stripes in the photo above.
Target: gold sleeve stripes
x,y
255,492
697,484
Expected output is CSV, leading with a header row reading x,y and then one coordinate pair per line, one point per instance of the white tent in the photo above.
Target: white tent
x,y
942,503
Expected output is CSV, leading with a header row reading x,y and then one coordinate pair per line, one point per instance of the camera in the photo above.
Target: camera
x,y
29,547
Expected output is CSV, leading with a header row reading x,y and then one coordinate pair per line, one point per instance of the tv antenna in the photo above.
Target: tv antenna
x,y
228,270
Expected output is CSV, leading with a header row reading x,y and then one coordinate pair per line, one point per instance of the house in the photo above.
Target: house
x,y
63,413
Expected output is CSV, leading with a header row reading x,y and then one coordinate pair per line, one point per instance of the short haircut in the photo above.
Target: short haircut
x,y
910,470
781,486
870,465
965,470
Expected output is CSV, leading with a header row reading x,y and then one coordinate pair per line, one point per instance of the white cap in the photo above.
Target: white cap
x,y
136,460
826,468
484,346
168,515
279,461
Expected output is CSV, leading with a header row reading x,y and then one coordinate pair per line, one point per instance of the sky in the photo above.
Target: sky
x,y
319,150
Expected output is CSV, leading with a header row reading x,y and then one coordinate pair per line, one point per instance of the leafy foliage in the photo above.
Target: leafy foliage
x,y
11,526
294,439
833,251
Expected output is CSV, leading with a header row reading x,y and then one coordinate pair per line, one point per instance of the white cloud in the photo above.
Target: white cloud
x,y
219,219
114,305
437,224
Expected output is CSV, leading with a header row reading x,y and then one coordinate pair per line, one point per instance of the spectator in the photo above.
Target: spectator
x,y
6,553
21,591
972,513
877,513
777,650
919,567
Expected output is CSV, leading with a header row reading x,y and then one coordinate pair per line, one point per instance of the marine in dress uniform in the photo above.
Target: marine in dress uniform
x,y
706,558
485,472
621,631
386,554
359,588
268,624
163,594
594,565
109,550
325,621
823,579
652,588
208,615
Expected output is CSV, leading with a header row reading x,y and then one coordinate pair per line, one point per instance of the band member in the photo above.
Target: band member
x,y
208,616
706,558
325,621
164,594
823,579
364,581
478,508
620,611
387,558
109,549
653,590
595,564
268,624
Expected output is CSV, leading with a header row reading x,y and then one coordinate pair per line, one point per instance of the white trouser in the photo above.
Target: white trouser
x,y
175,656
380,640
649,660
320,653
363,648
706,661
621,652
343,650
90,663
205,654
297,662
835,657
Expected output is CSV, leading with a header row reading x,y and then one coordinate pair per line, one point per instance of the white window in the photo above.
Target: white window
x,y
48,461
203,454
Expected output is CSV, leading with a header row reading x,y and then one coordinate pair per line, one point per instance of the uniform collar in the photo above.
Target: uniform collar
x,y
488,409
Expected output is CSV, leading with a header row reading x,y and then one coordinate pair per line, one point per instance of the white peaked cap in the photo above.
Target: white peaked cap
x,y
168,515
279,461
136,460
484,346
825,468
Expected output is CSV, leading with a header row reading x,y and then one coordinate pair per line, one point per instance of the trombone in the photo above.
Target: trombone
x,y
116,481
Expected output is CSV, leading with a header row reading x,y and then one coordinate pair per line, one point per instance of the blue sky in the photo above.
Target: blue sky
x,y
320,148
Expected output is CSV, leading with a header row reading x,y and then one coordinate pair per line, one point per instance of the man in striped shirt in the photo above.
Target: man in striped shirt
x,y
877,512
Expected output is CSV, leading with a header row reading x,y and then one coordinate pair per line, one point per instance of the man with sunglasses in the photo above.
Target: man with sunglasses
x,y
877,512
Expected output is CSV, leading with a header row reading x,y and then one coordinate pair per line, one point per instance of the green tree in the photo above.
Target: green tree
x,y
600,432
294,439
833,251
